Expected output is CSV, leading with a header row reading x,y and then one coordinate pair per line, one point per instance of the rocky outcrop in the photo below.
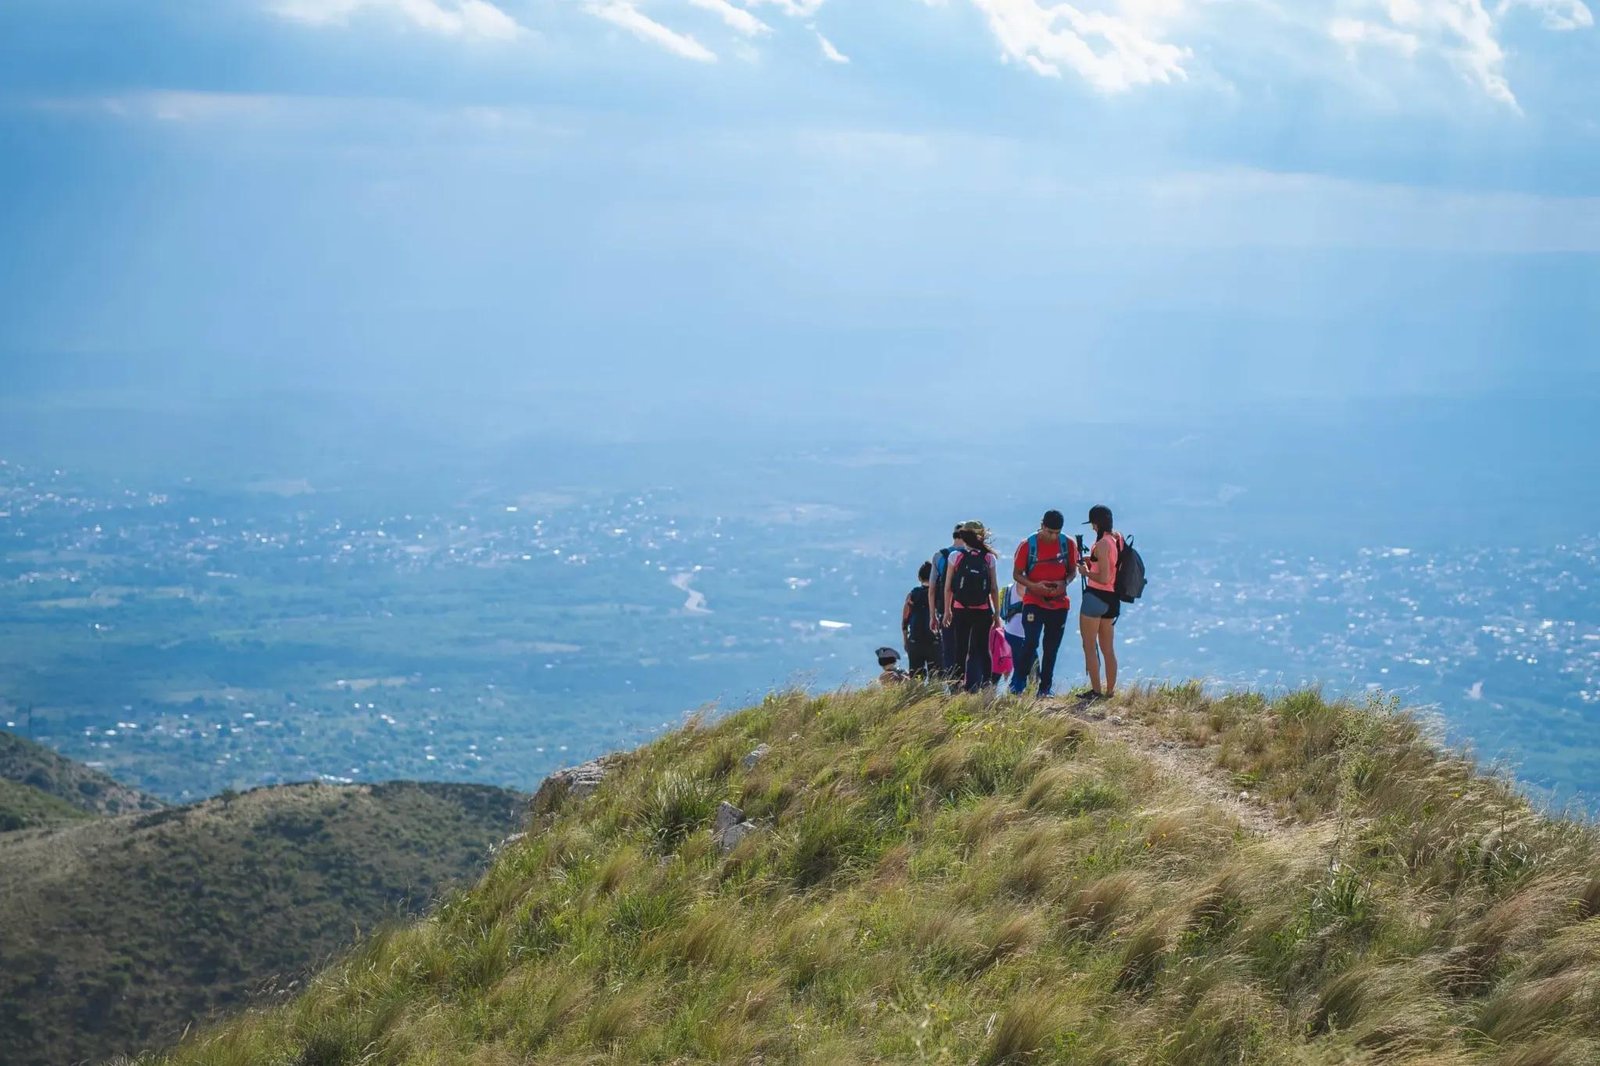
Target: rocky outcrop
x,y
729,827
495,849
573,783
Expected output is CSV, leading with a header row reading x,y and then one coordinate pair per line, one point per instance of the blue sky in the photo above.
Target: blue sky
x,y
748,202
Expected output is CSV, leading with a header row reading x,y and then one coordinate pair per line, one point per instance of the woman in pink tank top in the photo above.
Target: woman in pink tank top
x,y
1097,617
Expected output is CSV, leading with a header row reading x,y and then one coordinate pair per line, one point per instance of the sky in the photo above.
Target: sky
x,y
632,210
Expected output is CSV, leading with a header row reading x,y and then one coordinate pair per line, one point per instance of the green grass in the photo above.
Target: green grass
x,y
950,880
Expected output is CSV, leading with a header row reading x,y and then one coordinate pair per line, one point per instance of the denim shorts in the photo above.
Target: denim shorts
x,y
1099,604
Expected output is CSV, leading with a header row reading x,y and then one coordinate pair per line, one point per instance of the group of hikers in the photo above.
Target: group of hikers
x,y
960,624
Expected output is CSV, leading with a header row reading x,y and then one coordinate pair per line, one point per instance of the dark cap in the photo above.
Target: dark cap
x,y
1099,513
888,653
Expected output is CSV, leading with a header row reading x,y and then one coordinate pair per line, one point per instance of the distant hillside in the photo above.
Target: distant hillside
x,y
25,807
37,766
115,933
1169,880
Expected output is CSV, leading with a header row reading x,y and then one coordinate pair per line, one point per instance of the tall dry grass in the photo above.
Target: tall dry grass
x,y
964,880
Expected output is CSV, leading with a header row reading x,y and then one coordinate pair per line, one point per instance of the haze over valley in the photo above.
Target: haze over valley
x,y
449,610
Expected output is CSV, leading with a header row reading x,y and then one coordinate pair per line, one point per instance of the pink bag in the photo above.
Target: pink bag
x,y
999,652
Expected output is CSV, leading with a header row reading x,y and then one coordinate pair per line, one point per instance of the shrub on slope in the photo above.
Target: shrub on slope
x,y
946,880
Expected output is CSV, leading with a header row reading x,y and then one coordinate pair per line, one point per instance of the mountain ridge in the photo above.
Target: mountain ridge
x,y
1170,879
28,763
118,932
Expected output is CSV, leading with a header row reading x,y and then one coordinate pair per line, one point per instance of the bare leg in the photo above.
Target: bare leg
x,y
1108,652
1088,629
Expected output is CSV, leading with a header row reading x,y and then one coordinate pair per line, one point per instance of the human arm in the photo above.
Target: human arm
x,y
905,620
994,593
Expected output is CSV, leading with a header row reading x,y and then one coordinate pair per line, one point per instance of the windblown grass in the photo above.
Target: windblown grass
x,y
954,880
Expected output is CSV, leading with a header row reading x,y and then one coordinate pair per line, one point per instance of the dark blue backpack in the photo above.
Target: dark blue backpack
x,y
941,567
1129,582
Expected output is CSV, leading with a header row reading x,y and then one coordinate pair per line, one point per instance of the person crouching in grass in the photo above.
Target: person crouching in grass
x,y
889,664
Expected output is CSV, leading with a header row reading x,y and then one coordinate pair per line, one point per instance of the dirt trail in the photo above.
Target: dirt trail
x,y
1194,766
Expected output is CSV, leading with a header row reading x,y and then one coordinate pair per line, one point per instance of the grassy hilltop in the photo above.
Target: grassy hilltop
x,y
117,932
948,880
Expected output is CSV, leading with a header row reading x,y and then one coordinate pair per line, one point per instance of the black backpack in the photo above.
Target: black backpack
x,y
917,621
969,576
1129,582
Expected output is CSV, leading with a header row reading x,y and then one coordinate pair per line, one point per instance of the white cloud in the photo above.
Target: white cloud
x,y
1117,45
1114,46
1560,15
625,16
737,18
829,52
1464,33
1355,32
792,8
1112,52
450,18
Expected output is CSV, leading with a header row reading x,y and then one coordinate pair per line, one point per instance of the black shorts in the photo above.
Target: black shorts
x,y
1101,604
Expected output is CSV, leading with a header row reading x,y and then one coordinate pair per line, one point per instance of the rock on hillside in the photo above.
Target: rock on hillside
x,y
36,766
116,933
573,783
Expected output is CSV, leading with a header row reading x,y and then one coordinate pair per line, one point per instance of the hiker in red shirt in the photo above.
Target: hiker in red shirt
x,y
1043,568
